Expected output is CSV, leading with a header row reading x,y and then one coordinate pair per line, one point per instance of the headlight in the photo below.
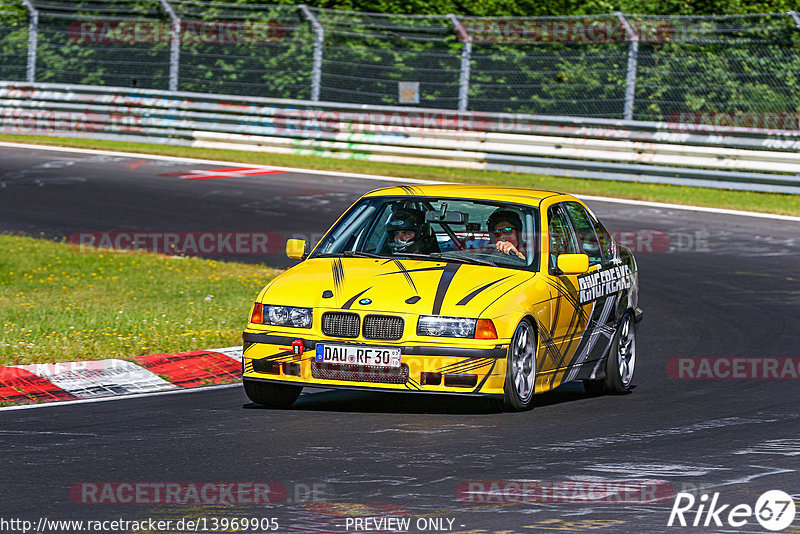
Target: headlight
x,y
433,325
287,316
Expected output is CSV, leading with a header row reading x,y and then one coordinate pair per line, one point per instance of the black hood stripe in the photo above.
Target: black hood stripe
x,y
473,294
406,275
507,291
337,269
352,299
444,284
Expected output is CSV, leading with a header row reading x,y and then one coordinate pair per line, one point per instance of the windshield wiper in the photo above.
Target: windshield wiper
x,y
463,259
359,254
349,254
411,255
440,256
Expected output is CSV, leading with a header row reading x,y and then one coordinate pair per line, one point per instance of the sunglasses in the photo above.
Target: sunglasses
x,y
500,231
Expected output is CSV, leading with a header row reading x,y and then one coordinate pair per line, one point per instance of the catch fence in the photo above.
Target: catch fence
x,y
732,70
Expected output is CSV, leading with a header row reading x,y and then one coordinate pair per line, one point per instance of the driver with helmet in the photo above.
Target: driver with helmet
x,y
407,232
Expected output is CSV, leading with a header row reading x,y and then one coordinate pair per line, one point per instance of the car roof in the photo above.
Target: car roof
x,y
518,195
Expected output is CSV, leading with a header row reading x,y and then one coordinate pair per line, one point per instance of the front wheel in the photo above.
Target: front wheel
x,y
272,395
520,369
620,362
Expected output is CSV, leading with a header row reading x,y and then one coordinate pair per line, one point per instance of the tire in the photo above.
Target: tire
x,y
620,362
520,369
271,395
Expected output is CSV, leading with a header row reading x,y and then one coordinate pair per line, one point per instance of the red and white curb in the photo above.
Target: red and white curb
x,y
68,381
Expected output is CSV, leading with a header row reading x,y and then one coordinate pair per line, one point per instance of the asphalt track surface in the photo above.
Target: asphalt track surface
x,y
726,286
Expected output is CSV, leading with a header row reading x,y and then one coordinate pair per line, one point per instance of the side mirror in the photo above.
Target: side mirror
x,y
296,249
573,263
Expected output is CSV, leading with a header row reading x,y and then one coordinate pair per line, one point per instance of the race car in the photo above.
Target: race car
x,y
466,290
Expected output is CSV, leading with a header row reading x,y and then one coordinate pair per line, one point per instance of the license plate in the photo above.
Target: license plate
x,y
355,355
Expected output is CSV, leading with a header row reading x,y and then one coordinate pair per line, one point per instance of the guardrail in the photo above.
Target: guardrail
x,y
656,152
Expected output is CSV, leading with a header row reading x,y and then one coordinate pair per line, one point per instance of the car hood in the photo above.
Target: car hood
x,y
398,286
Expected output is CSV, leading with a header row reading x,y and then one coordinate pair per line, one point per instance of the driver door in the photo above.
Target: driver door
x,y
568,317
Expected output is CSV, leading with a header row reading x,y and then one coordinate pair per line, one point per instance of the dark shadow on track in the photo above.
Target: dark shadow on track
x,y
408,403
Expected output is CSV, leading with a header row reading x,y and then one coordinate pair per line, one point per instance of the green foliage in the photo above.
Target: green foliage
x,y
13,41
535,8
739,65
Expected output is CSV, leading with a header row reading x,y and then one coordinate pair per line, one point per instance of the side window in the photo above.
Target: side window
x,y
377,236
562,240
350,230
584,228
607,245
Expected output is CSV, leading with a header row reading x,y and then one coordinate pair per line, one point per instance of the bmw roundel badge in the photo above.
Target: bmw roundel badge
x,y
364,302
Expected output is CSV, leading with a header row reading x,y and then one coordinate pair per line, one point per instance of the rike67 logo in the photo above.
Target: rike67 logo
x,y
774,510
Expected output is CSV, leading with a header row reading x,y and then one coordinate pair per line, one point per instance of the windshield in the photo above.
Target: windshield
x,y
459,230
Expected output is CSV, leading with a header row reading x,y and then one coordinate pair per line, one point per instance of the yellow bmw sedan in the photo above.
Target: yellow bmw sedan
x,y
483,291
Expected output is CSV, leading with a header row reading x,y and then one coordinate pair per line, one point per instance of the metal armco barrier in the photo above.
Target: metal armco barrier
x,y
670,153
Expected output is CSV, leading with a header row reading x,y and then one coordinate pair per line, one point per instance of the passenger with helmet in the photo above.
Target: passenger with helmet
x,y
504,232
408,233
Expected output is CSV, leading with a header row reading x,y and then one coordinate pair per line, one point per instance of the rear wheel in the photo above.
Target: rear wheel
x,y
521,369
620,362
272,395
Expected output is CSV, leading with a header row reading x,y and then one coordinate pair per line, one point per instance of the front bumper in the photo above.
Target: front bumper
x,y
461,370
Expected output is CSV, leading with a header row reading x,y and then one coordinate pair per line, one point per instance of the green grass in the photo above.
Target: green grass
x,y
739,200
59,302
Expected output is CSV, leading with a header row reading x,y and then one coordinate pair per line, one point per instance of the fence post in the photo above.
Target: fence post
x,y
633,59
466,57
33,38
174,46
796,19
319,42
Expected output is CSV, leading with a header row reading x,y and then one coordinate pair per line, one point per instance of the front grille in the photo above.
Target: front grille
x,y
360,373
340,324
387,327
